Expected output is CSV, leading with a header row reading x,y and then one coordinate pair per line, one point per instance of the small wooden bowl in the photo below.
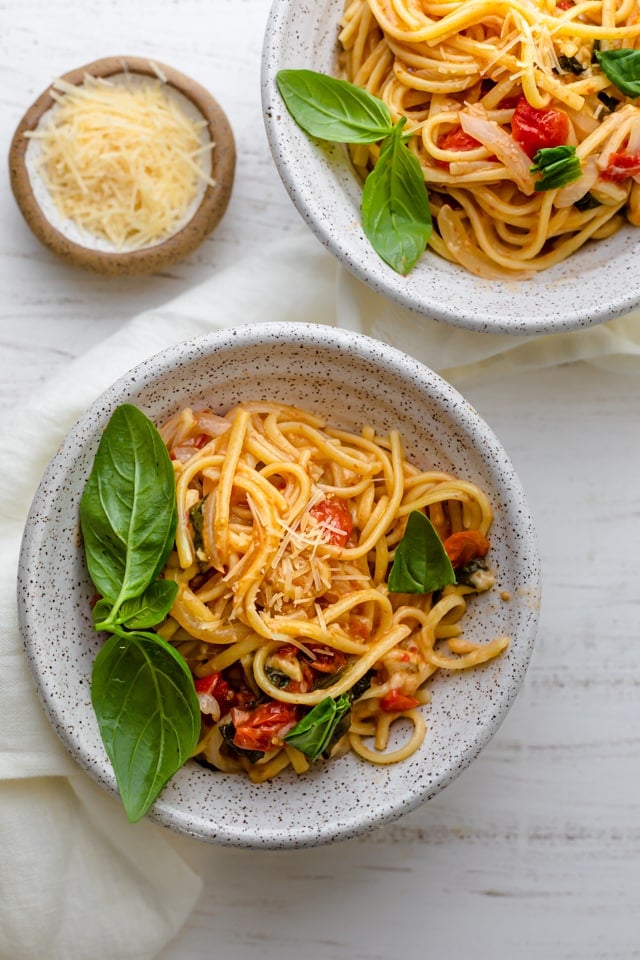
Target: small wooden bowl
x,y
178,245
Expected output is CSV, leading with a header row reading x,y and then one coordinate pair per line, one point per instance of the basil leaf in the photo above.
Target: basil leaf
x,y
313,734
572,64
420,564
150,608
333,109
395,206
148,714
128,507
558,166
611,103
588,202
622,68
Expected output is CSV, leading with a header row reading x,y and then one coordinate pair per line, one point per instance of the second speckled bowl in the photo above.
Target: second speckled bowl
x,y
350,380
598,283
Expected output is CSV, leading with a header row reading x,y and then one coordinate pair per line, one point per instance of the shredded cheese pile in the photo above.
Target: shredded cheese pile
x,y
123,162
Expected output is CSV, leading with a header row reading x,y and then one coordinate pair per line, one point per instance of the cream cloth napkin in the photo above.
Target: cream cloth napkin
x,y
76,880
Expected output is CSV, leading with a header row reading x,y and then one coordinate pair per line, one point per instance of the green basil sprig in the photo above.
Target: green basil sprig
x,y
142,690
420,563
332,109
128,509
148,714
558,166
395,206
622,68
313,734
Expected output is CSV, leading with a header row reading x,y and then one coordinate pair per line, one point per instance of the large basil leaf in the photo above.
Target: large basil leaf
x,y
395,206
420,564
314,733
622,68
332,109
128,508
150,608
148,714
138,613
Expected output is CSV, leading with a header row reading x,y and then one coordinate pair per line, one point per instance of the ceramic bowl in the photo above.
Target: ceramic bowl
x,y
350,379
598,283
76,245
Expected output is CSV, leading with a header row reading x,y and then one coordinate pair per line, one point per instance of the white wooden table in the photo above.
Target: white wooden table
x,y
534,852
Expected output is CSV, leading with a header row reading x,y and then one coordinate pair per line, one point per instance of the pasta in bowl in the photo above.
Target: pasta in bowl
x,y
352,596
522,122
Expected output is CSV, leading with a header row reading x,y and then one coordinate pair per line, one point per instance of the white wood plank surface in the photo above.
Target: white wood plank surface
x,y
534,853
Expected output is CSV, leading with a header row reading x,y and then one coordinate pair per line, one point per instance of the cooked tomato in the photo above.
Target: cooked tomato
x,y
326,659
263,727
621,166
537,129
396,702
465,546
213,684
333,515
214,695
457,139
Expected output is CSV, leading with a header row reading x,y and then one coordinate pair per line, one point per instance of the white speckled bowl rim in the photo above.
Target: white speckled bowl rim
x,y
600,282
351,379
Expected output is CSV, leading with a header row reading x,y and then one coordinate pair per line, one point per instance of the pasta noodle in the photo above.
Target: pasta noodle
x,y
483,85
286,532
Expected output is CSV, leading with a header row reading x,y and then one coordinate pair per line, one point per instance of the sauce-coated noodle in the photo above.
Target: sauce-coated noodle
x,y
286,532
484,84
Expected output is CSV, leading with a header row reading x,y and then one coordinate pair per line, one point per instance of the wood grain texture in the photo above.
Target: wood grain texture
x,y
534,852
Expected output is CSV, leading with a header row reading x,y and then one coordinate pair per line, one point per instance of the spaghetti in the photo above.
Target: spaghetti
x,y
485,84
286,532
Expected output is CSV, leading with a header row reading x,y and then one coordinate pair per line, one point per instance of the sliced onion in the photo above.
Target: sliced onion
x,y
633,146
475,122
568,195
209,705
211,423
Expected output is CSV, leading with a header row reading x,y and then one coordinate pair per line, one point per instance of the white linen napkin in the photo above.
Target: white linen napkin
x,y
76,880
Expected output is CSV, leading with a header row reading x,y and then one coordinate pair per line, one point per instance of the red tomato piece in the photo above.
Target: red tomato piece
x,y
457,139
263,727
564,4
396,702
536,129
333,515
326,660
214,684
621,166
465,546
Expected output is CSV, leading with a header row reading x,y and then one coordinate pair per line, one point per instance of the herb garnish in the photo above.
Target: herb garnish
x,y
313,734
572,64
420,564
558,166
141,688
622,68
588,202
611,103
395,206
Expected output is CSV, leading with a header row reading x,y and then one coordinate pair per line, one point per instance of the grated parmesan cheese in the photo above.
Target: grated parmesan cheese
x,y
122,160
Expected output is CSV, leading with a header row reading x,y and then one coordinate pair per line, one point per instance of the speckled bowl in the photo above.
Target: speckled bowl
x,y
351,380
600,282
76,245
